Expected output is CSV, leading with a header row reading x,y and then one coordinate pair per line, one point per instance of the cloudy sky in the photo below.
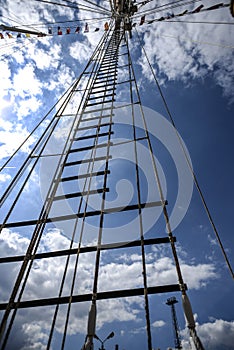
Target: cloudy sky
x,y
192,57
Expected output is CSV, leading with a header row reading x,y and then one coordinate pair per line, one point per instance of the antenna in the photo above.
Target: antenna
x,y
171,302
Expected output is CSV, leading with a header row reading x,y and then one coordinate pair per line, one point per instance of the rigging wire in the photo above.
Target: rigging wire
x,y
18,22
81,7
15,49
200,22
159,9
188,161
89,2
94,20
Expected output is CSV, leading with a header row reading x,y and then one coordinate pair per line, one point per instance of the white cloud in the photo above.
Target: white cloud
x,y
12,135
185,51
26,83
81,51
4,177
158,324
215,335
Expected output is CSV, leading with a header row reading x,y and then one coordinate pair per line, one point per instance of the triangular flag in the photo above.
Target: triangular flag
x,y
198,9
142,20
86,28
214,7
106,26
183,13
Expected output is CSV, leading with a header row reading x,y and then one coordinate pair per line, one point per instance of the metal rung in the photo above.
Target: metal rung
x,y
100,103
97,159
88,148
97,110
84,176
97,118
107,78
111,71
79,194
88,249
99,92
93,136
86,214
103,96
124,293
104,67
101,86
110,58
111,66
94,126
108,69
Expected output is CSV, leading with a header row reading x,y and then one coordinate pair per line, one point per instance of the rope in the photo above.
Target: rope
x,y
92,3
188,163
158,8
200,22
82,7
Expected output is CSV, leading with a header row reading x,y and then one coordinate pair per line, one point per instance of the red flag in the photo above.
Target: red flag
x,y
60,31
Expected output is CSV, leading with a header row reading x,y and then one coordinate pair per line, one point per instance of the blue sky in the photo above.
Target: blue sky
x,y
194,66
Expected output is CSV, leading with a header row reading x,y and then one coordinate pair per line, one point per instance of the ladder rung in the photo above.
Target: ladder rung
x,y
100,103
112,65
97,118
83,176
108,72
97,159
84,214
87,148
103,96
80,298
96,110
101,86
107,77
110,58
101,91
79,194
93,136
88,249
94,126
